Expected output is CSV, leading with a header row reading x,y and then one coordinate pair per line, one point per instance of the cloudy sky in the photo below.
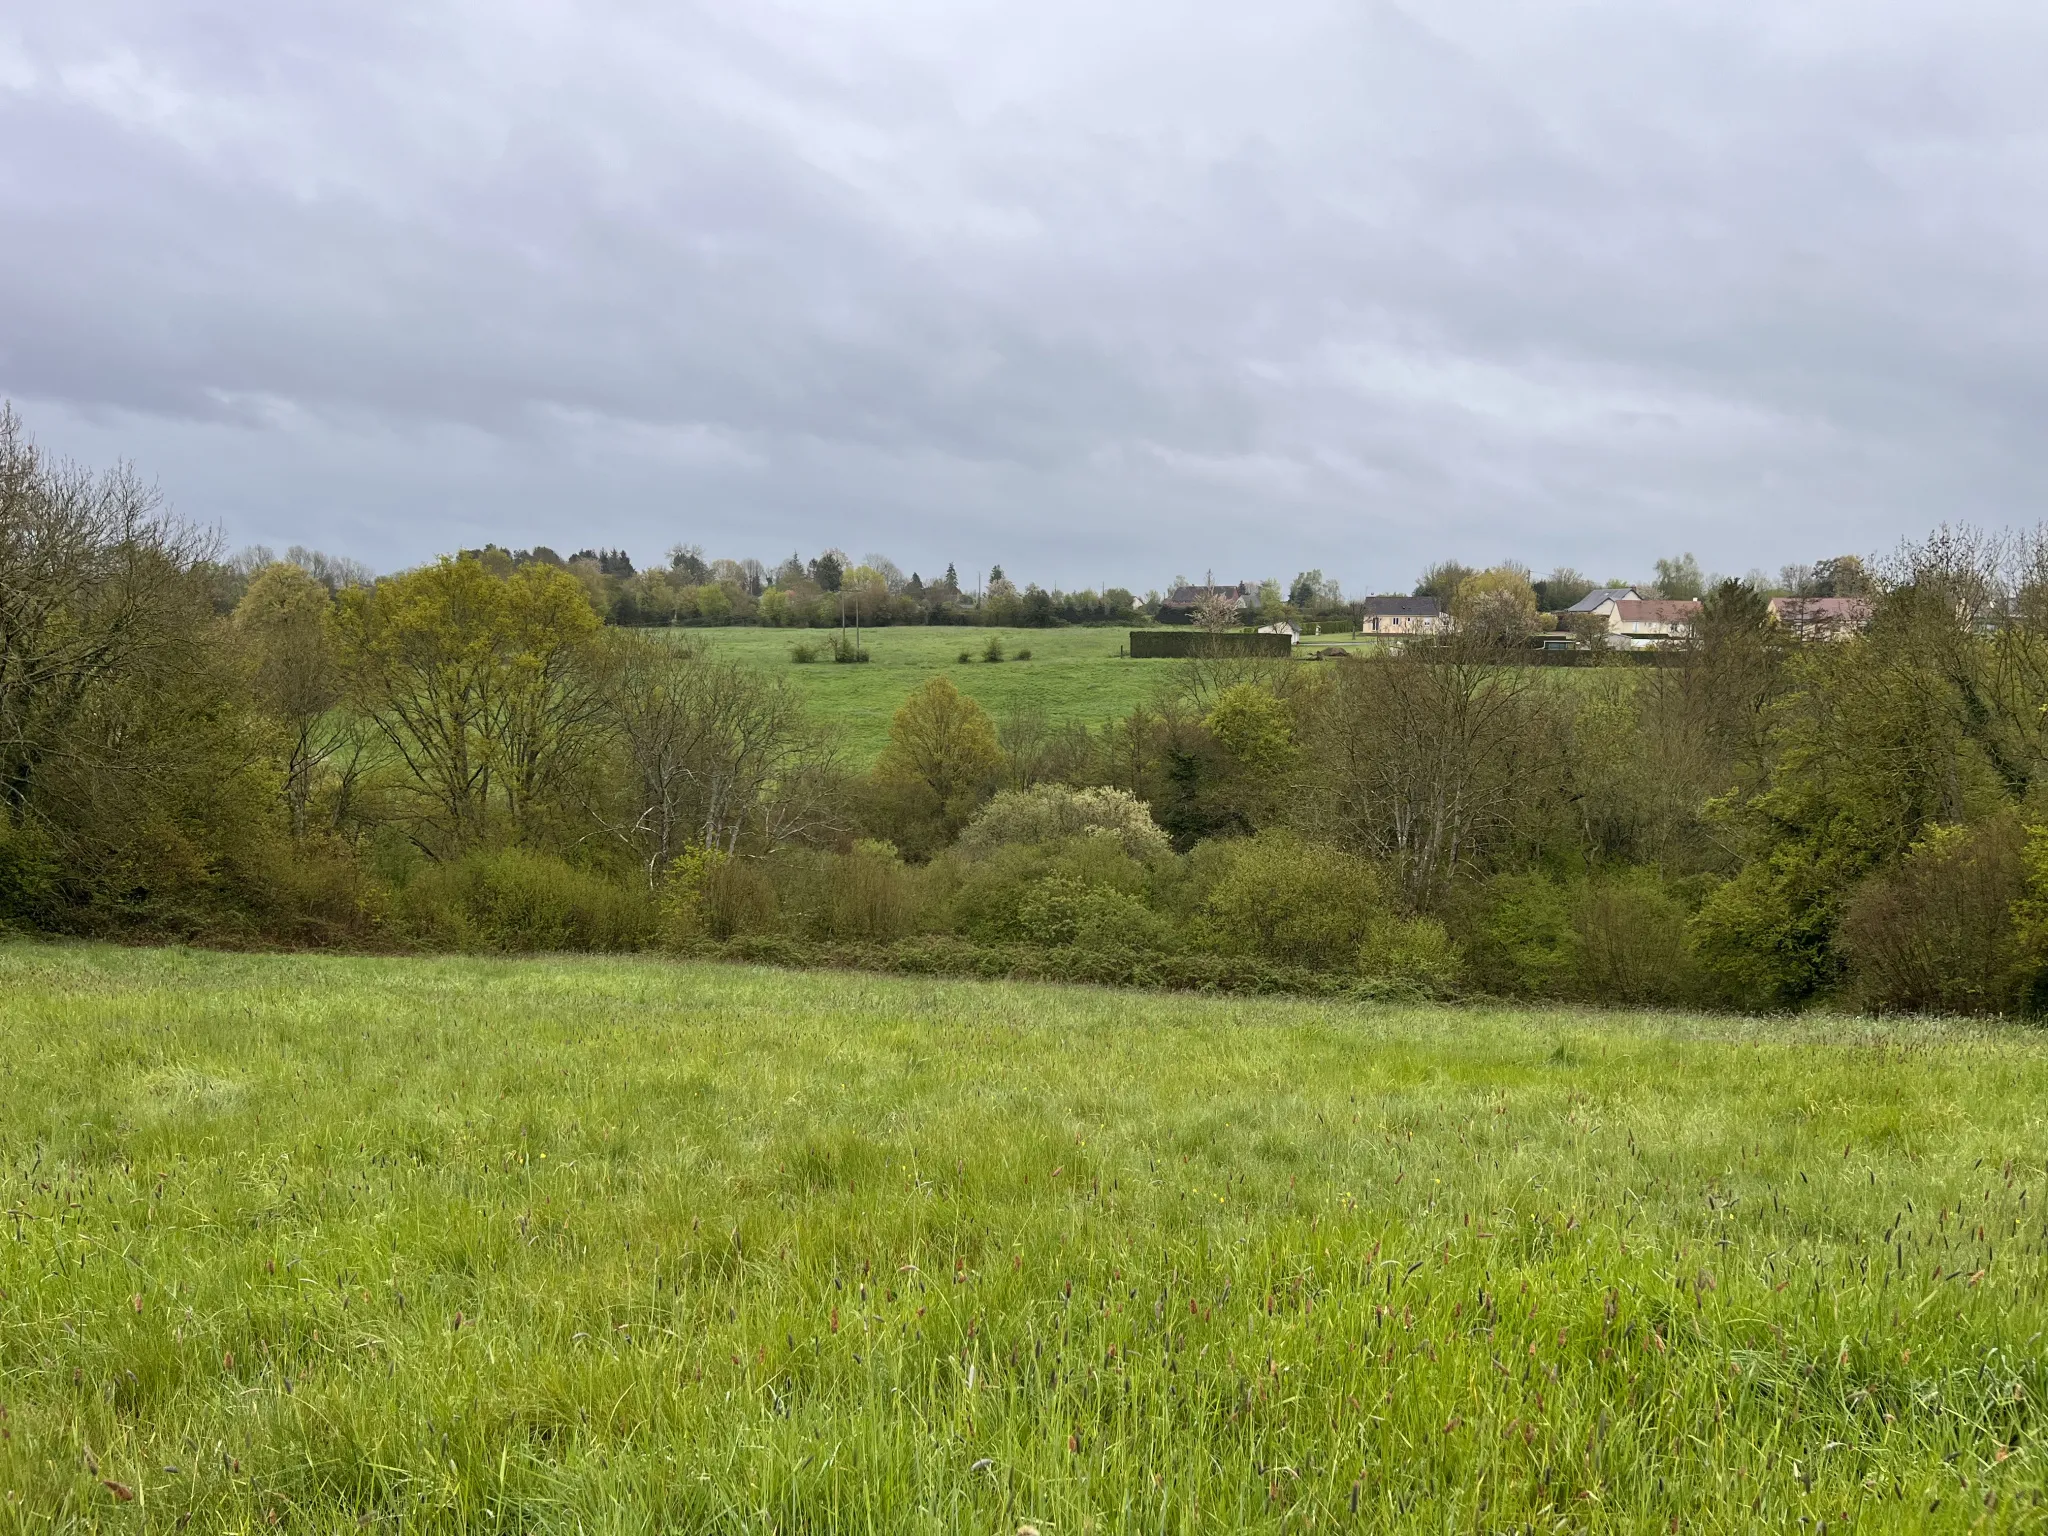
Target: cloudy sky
x,y
1101,292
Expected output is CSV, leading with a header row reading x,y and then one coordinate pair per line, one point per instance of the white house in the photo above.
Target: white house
x,y
1401,616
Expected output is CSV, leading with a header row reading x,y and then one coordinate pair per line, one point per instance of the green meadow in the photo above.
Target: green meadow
x,y
1073,676
343,1244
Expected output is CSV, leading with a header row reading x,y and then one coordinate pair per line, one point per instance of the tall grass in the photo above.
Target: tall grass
x,y
609,1245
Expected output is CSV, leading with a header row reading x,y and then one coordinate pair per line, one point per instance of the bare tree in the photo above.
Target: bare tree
x,y
95,593
1416,760
719,753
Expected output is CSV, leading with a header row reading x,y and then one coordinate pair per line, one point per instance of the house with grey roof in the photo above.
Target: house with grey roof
x,y
1401,616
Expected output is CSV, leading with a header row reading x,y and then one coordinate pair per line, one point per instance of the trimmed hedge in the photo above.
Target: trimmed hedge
x,y
1179,644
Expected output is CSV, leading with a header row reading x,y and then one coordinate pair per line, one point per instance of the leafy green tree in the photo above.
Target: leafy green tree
x,y
282,621
1442,580
1561,588
1680,577
1255,731
941,762
480,685
133,783
1497,604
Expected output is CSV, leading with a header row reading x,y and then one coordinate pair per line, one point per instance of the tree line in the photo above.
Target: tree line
x,y
467,756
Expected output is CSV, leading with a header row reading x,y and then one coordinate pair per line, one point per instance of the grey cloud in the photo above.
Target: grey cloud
x,y
1100,292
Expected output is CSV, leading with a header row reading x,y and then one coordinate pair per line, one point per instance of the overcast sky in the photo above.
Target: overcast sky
x,y
1104,292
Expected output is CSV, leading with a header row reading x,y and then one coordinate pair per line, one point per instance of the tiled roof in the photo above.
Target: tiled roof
x,y
1821,610
1657,610
1599,595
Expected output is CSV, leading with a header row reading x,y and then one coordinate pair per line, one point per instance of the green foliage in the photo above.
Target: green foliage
x,y
479,685
1632,941
1952,929
517,900
1680,577
710,894
867,895
1065,909
941,761
1412,952
1764,940
1287,900
1498,603
992,648
29,891
1526,943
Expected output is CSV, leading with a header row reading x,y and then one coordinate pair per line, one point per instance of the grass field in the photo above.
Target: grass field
x,y
328,1244
1073,674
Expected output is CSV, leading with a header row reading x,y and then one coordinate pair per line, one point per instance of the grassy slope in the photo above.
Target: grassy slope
x,y
1074,674
585,1244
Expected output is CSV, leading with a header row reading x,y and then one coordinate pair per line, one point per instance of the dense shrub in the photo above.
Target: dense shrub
x,y
1938,933
1082,889
28,875
514,899
1295,903
1764,940
1290,901
1413,952
1524,937
1631,941
714,895
1050,813
868,895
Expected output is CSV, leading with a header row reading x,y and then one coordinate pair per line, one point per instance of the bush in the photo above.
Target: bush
x,y
713,895
846,650
866,896
803,653
966,657
1764,940
1631,946
1050,813
1936,934
1064,909
1080,890
992,650
1293,902
1525,939
517,900
1411,951
28,875
1024,654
